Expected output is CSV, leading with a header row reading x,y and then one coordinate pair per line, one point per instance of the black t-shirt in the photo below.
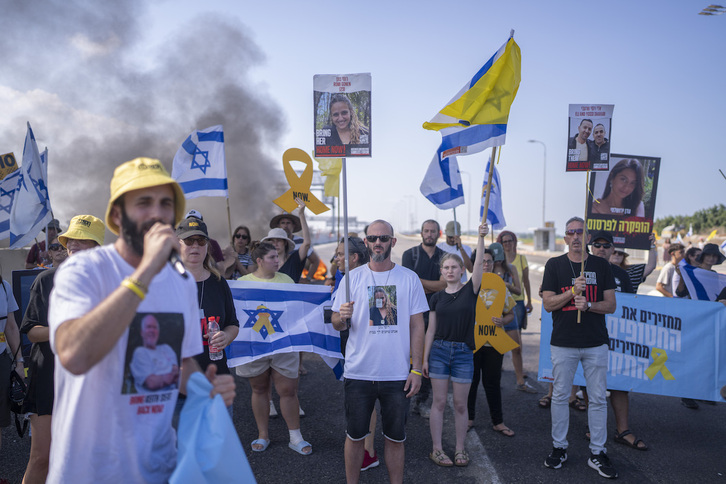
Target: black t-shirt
x,y
218,304
622,280
425,267
293,266
636,273
39,398
455,315
559,275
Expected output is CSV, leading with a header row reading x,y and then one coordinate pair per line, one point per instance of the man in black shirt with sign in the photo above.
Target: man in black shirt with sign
x,y
567,289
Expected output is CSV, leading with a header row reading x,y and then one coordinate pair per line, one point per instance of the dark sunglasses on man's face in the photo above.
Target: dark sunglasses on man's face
x,y
241,236
575,231
201,241
55,247
383,238
598,245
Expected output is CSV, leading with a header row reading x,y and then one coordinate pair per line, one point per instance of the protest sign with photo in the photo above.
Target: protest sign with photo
x,y
589,130
342,115
622,200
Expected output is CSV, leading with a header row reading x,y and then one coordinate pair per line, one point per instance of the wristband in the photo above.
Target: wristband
x,y
416,372
573,291
144,288
131,286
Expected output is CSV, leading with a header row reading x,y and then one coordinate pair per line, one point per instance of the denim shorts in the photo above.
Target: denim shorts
x,y
519,313
450,359
360,400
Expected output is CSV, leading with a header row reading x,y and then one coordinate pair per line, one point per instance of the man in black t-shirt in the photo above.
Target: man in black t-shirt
x,y
579,283
424,261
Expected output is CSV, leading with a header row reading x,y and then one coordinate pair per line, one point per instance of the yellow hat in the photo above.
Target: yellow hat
x,y
84,227
143,173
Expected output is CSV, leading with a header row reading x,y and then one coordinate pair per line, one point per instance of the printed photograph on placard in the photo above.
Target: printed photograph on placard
x,y
342,112
622,200
589,131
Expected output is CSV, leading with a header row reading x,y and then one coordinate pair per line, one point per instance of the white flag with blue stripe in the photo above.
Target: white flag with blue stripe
x,y
282,318
702,284
442,183
199,164
495,214
8,188
31,211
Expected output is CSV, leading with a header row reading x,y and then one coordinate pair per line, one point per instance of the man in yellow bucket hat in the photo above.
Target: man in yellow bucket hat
x,y
104,427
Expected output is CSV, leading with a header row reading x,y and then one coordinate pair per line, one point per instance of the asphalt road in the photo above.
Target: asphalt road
x,y
685,445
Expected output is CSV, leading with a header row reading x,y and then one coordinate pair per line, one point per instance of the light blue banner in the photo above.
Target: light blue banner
x,y
658,345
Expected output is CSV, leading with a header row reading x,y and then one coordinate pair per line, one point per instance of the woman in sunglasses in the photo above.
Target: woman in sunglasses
x,y
237,259
57,253
214,296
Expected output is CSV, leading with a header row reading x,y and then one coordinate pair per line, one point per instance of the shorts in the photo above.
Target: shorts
x,y
360,400
520,312
451,359
5,365
286,364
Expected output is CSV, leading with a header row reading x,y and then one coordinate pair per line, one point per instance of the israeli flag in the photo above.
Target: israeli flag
x,y
442,183
495,214
282,318
30,211
702,284
199,164
8,188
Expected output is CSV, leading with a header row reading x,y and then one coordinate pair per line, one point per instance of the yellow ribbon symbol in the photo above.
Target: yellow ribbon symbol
x,y
299,185
263,321
491,303
658,366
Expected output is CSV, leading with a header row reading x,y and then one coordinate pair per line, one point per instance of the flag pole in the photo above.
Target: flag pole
x,y
584,232
229,221
489,187
345,232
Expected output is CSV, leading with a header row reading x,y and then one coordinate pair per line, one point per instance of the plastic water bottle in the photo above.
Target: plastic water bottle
x,y
212,329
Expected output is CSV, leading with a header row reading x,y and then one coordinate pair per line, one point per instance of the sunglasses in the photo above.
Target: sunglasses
x,y
508,241
383,238
55,247
575,231
606,245
201,241
241,236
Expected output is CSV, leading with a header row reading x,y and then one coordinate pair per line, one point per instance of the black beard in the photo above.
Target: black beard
x,y
431,244
133,234
379,257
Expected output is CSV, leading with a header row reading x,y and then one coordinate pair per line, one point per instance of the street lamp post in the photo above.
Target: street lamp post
x,y
544,175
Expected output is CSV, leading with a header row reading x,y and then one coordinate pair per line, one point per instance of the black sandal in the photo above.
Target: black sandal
x,y
620,439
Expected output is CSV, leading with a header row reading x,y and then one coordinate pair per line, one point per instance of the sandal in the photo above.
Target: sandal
x,y
440,459
461,459
578,404
506,431
300,446
620,439
263,442
545,401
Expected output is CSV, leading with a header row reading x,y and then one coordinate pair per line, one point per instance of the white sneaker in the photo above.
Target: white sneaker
x,y
273,412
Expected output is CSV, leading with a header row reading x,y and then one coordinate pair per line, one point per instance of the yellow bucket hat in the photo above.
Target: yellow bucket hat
x,y
143,173
84,227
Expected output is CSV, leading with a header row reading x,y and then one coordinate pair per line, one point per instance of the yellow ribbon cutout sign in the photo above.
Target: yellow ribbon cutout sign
x,y
299,185
658,366
490,304
263,321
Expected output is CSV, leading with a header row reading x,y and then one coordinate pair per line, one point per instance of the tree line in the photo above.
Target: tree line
x,y
703,221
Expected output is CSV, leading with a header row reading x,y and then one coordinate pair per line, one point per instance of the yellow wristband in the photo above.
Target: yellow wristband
x,y
129,284
144,288
416,372
573,290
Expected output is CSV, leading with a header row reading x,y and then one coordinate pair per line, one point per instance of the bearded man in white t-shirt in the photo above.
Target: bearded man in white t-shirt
x,y
104,428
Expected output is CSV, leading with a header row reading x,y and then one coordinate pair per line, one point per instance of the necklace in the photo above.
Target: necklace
x,y
374,277
574,276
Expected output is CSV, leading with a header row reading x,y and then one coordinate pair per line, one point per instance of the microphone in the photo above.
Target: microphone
x,y
177,264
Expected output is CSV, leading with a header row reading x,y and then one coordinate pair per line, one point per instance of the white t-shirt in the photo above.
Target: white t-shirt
x,y
451,249
104,429
379,345
666,276
7,305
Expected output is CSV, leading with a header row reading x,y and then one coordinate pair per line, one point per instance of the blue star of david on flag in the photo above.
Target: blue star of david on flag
x,y
199,164
204,154
263,320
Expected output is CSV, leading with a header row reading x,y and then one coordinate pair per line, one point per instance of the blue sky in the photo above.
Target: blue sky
x,y
659,63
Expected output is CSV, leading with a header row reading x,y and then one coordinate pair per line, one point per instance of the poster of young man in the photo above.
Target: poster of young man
x,y
342,114
622,200
588,138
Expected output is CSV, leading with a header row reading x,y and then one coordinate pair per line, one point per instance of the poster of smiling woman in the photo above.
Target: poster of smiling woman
x,y
342,111
622,200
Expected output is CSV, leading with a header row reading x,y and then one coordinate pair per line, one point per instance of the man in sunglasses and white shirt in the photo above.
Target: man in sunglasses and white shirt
x,y
567,289
378,357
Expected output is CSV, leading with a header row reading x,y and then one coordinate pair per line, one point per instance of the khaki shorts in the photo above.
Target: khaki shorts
x,y
286,364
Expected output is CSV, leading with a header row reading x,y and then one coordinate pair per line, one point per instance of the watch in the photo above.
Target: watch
x,y
589,305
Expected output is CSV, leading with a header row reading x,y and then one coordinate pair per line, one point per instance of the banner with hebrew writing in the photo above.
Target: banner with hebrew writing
x,y
342,115
658,345
622,200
